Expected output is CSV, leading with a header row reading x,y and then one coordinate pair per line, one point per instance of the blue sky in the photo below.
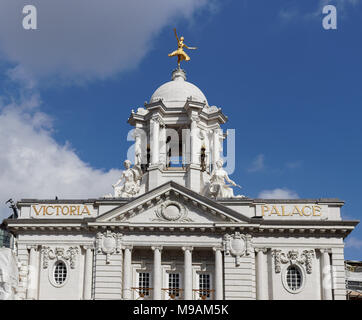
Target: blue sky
x,y
291,90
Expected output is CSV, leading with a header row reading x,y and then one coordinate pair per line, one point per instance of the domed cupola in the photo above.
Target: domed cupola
x,y
176,92
177,135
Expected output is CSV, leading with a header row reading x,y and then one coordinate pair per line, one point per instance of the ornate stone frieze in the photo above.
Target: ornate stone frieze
x,y
293,257
59,253
237,245
109,243
171,211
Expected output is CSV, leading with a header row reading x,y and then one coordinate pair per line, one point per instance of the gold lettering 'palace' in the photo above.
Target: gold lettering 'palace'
x,y
281,211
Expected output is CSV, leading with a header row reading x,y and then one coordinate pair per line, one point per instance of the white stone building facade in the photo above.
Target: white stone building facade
x,y
177,231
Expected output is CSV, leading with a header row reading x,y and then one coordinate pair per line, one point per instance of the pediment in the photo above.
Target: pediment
x,y
172,203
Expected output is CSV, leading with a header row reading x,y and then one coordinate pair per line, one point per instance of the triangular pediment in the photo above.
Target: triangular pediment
x,y
172,203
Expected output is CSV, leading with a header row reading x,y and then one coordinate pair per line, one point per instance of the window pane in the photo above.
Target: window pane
x,y
60,272
174,284
204,285
144,283
294,278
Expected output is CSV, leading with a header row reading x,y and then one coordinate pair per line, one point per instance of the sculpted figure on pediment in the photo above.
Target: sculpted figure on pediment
x,y
218,186
129,184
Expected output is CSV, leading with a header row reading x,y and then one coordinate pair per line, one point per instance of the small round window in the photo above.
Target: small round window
x,y
294,278
60,272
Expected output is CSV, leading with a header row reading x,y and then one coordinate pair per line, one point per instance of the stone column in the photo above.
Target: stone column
x,y
155,125
193,138
215,147
127,273
33,274
261,274
163,147
219,287
187,273
137,149
327,279
88,272
157,273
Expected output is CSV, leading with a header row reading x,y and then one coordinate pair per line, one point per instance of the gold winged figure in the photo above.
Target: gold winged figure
x,y
180,53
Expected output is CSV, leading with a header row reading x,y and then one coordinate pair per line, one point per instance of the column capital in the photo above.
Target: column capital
x,y
217,249
195,118
325,250
263,250
157,248
32,246
187,248
87,246
128,247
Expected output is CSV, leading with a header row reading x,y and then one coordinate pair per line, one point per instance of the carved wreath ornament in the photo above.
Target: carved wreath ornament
x,y
59,253
171,211
293,257
237,245
108,243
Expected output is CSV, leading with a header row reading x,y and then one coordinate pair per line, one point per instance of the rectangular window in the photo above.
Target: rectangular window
x,y
204,285
144,284
174,284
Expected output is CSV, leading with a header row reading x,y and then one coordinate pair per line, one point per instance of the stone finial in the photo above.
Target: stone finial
x,y
178,74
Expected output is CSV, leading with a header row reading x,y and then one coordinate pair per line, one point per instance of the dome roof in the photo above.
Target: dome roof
x,y
174,93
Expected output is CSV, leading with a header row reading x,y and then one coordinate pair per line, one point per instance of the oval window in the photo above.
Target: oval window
x,y
60,272
294,278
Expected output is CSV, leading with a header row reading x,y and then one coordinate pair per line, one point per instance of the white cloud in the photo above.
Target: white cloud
x,y
76,41
34,165
257,164
353,242
87,39
278,193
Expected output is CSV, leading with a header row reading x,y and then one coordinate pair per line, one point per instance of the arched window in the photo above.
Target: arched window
x,y
60,272
294,278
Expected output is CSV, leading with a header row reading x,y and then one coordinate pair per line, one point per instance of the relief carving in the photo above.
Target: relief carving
x,y
238,245
59,253
293,257
109,243
171,211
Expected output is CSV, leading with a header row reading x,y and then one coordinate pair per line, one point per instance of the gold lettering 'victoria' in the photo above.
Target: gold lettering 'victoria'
x,y
59,210
298,211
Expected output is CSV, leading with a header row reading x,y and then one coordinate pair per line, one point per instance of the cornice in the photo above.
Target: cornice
x,y
255,229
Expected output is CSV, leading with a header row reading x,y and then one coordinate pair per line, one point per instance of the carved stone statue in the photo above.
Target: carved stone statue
x,y
218,187
129,183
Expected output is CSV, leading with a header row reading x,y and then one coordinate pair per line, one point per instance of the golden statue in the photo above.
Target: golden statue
x,y
180,53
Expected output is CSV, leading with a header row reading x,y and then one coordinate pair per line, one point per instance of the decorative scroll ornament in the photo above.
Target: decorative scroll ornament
x,y
293,257
109,243
59,253
238,245
171,211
